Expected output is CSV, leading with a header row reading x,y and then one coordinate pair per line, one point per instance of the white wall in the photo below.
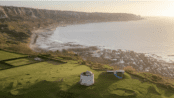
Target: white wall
x,y
86,80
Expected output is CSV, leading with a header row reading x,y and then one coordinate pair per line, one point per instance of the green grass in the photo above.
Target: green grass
x,y
59,58
7,55
3,66
108,67
20,62
41,80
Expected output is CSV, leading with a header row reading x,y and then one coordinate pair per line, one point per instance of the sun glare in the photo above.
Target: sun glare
x,y
168,11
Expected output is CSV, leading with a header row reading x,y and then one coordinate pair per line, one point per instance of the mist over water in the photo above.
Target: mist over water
x,y
151,35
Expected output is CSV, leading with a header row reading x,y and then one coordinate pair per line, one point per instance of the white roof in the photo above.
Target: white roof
x,y
122,71
119,70
87,73
115,71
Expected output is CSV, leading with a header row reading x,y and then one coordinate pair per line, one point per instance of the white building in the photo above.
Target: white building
x,y
87,78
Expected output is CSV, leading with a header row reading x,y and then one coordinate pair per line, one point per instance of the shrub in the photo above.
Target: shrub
x,y
19,48
82,62
115,67
64,51
156,78
107,67
11,27
129,69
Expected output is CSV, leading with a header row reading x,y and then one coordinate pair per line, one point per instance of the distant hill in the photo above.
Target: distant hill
x,y
13,13
17,23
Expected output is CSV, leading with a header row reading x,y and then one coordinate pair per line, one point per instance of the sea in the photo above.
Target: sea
x,y
153,35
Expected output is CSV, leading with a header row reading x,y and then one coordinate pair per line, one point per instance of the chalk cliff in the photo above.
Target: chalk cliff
x,y
10,12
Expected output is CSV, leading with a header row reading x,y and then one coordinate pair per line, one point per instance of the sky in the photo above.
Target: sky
x,y
138,7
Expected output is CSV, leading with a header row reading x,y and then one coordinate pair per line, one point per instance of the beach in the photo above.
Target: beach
x,y
40,32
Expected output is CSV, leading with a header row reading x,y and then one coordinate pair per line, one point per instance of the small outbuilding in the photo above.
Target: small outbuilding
x,y
119,73
87,78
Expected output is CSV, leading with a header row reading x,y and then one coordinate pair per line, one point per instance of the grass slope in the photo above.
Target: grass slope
x,y
51,79
7,55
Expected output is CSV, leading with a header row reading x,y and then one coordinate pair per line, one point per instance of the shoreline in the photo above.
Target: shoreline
x,y
40,31
50,30
140,61
46,32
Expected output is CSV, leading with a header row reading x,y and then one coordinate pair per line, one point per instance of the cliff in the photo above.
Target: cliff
x,y
13,13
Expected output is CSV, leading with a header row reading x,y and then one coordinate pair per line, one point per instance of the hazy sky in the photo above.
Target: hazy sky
x,y
138,7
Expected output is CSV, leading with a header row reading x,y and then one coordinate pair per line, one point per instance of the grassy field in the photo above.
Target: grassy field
x,y
7,55
26,78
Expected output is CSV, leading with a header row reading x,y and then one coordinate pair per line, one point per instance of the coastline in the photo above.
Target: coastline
x,y
46,33
50,30
40,31
140,61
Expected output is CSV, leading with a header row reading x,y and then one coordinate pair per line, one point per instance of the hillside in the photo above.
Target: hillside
x,y
17,23
57,75
22,13
50,78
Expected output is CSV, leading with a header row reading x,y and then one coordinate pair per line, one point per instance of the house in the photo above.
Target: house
x,y
87,78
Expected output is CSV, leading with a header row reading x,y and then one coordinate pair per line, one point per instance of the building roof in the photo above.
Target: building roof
x,y
119,70
88,73
115,71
